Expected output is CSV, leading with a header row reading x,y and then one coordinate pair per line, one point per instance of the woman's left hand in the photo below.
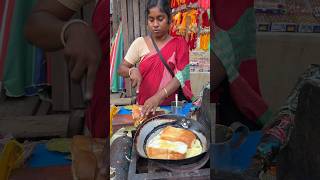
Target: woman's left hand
x,y
151,105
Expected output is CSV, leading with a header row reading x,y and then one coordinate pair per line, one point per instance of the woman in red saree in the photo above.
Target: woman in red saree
x,y
155,85
155,76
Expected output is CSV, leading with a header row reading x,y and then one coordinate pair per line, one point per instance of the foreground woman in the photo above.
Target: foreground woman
x,y
159,74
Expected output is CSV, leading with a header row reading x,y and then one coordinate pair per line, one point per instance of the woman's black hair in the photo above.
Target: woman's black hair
x,y
163,5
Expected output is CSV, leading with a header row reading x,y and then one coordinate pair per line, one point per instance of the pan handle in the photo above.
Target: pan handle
x,y
241,132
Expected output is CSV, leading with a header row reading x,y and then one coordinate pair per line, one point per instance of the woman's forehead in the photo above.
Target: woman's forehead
x,y
155,11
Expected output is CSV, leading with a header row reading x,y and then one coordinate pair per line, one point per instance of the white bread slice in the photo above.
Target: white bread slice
x,y
87,157
178,134
163,149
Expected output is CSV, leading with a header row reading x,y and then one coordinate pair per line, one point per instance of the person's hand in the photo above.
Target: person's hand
x,y
268,147
83,53
267,150
136,78
151,105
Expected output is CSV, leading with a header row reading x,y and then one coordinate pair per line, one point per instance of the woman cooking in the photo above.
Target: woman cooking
x,y
159,74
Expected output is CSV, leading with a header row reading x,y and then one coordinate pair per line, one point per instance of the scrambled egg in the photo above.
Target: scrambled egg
x,y
195,149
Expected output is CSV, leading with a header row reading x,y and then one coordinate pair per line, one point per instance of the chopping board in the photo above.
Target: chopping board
x,y
124,120
121,120
43,173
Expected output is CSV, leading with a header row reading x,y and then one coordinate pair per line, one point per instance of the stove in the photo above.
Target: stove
x,y
145,169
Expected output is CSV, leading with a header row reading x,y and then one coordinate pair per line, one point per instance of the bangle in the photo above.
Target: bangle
x,y
165,90
131,70
65,27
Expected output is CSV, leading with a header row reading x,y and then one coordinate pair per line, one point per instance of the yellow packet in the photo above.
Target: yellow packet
x,y
113,111
11,158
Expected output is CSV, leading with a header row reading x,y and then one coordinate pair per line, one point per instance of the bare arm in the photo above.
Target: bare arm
x,y
152,103
82,50
123,69
134,75
171,87
44,25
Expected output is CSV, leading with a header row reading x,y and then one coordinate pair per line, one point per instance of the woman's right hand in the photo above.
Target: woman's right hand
x,y
83,53
136,78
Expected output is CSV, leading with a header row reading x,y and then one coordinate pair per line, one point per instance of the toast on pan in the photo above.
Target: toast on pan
x,y
173,144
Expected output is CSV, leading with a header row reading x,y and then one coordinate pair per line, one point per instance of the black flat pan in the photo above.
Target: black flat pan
x,y
151,127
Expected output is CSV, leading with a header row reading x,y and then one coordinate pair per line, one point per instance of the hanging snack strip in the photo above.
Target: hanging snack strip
x,y
177,3
185,21
205,31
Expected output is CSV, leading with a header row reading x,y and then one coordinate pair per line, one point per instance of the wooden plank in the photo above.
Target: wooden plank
x,y
142,17
126,41
136,22
41,173
35,126
44,108
130,20
60,81
76,123
125,25
77,100
115,15
21,106
146,27
121,120
128,87
119,17
119,11
122,101
115,95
